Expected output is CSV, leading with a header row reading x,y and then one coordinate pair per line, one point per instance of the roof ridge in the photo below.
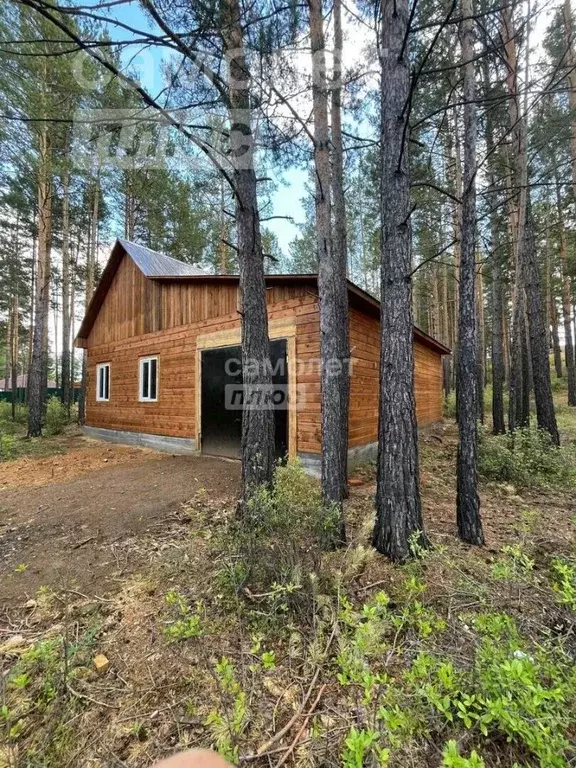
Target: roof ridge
x,y
157,264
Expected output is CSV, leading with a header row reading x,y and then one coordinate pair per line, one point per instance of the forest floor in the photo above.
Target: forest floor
x,y
72,519
133,556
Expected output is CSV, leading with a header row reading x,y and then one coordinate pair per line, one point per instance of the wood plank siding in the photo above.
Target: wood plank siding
x,y
141,317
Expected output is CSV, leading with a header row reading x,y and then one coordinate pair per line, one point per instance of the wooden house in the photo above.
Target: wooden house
x,y
162,340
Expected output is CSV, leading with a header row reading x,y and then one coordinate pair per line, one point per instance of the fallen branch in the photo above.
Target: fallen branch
x,y
283,731
85,541
292,746
89,698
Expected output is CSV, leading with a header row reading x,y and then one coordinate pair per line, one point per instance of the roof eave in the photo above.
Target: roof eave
x,y
118,251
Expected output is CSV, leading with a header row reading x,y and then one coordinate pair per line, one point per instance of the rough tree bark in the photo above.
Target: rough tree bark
x,y
556,338
39,361
446,332
129,204
8,346
480,339
90,279
467,500
566,301
498,424
545,413
552,337
32,304
519,387
258,456
398,505
14,347
454,176
497,294
332,286
66,322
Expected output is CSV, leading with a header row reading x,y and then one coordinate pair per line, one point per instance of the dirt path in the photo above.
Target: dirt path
x,y
68,520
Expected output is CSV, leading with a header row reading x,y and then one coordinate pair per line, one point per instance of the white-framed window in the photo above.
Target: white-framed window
x,y
103,382
148,379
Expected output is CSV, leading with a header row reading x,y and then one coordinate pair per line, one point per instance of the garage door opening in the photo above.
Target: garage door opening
x,y
221,402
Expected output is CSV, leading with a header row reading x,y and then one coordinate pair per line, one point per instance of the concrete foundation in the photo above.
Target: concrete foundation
x,y
179,445
312,462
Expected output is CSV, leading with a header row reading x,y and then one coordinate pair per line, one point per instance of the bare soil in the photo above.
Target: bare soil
x,y
113,531
65,520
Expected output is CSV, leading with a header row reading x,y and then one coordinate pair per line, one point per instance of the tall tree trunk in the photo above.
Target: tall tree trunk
x,y
497,293
332,287
455,175
74,270
32,307
8,347
571,69
553,309
468,501
435,329
498,424
398,505
518,414
258,455
39,363
55,311
566,301
15,344
481,339
552,338
446,331
129,204
223,248
66,341
89,286
545,413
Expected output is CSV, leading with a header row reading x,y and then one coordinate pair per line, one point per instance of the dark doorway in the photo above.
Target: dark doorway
x,y
221,425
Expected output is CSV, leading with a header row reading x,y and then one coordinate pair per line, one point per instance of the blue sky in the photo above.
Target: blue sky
x,y
148,62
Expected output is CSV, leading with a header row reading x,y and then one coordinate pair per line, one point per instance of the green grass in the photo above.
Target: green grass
x,y
13,441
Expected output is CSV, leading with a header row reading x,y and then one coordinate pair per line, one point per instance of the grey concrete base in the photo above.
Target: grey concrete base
x,y
312,462
361,454
180,445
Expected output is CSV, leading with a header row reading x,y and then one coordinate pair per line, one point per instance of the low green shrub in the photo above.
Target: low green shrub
x,y
559,385
275,551
8,425
7,447
526,458
496,687
450,406
56,417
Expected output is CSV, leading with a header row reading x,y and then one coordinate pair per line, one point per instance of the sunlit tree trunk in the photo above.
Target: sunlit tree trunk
x,y
332,286
66,340
89,285
467,499
39,363
398,505
257,445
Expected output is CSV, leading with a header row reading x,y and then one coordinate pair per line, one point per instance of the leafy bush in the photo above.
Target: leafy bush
x,y
559,385
450,406
7,447
9,425
526,458
275,550
496,687
564,581
56,417
187,623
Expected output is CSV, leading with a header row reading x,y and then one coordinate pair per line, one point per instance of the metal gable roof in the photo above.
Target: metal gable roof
x,y
158,266
154,264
